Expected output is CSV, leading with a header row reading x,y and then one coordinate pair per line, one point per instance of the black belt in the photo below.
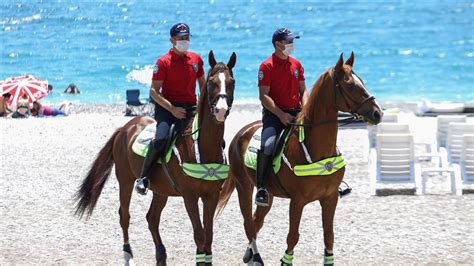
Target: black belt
x,y
293,111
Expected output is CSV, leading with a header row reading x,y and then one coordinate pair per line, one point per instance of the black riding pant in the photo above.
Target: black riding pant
x,y
165,119
272,128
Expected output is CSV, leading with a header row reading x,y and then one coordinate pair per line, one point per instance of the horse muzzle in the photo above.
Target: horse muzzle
x,y
374,116
220,114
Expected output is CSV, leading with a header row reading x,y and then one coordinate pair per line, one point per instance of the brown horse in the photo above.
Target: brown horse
x,y
337,89
214,104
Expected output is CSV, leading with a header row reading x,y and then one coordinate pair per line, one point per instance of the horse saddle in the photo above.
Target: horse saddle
x,y
250,157
202,171
326,166
140,145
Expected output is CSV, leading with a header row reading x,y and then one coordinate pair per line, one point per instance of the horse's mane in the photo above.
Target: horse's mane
x,y
307,110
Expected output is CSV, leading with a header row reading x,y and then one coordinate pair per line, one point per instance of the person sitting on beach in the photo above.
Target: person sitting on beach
x,y
173,89
4,110
46,110
23,109
72,89
282,94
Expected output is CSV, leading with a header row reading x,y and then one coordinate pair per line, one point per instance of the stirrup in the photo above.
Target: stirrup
x,y
142,185
344,191
261,201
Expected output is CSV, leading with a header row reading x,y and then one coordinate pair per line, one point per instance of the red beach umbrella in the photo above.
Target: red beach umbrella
x,y
34,87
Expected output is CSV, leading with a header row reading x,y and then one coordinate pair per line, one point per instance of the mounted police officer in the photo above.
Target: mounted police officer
x,y
282,94
174,90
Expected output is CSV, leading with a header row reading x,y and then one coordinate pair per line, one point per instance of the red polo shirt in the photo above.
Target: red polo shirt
x,y
179,75
283,77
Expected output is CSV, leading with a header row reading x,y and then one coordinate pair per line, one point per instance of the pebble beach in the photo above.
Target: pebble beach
x,y
43,161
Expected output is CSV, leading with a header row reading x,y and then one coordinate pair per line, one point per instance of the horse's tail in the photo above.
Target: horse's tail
x,y
90,189
226,192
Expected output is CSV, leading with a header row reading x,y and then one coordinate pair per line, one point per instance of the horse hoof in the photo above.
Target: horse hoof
x,y
161,262
248,255
128,255
257,260
160,255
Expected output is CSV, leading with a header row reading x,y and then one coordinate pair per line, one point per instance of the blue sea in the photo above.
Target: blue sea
x,y
405,50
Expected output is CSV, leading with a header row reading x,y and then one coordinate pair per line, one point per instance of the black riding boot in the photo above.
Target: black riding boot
x,y
143,183
264,165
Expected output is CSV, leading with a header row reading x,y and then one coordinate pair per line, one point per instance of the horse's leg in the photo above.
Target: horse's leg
x,y
260,213
126,181
153,217
328,209
245,203
209,205
296,210
191,203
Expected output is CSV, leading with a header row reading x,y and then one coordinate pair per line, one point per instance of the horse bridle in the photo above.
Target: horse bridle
x,y
344,94
338,88
213,102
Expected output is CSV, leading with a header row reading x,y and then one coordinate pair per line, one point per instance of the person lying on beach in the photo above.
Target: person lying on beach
x,y
4,110
46,110
22,108
72,89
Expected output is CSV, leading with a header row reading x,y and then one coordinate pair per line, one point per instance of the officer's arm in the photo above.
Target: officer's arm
x,y
268,102
201,82
303,93
154,93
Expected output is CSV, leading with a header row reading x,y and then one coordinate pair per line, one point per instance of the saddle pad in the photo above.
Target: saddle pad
x,y
326,166
208,172
250,157
140,145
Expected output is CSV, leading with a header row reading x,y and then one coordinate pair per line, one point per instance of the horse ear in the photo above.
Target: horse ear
x,y
339,63
212,60
350,61
232,61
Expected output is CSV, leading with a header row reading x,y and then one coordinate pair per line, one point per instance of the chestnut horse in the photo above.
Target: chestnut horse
x,y
337,89
214,104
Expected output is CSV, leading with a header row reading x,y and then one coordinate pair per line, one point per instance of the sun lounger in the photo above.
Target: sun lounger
x,y
394,168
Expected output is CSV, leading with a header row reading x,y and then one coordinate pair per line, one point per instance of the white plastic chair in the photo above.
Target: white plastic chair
x,y
373,130
442,128
393,161
454,140
467,158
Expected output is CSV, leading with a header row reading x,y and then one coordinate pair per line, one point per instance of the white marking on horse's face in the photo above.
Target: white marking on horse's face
x,y
358,81
221,106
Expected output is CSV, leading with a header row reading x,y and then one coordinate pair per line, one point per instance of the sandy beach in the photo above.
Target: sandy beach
x,y
43,161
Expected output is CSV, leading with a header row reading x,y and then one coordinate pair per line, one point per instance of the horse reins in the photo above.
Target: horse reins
x,y
338,88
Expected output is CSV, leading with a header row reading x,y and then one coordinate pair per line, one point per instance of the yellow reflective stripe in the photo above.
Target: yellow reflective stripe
x,y
301,134
208,172
329,259
201,258
287,259
326,166
195,127
208,258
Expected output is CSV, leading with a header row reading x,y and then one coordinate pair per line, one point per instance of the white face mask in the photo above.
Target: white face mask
x,y
289,49
182,46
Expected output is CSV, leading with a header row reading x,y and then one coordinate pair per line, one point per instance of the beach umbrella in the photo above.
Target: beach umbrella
x,y
34,87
